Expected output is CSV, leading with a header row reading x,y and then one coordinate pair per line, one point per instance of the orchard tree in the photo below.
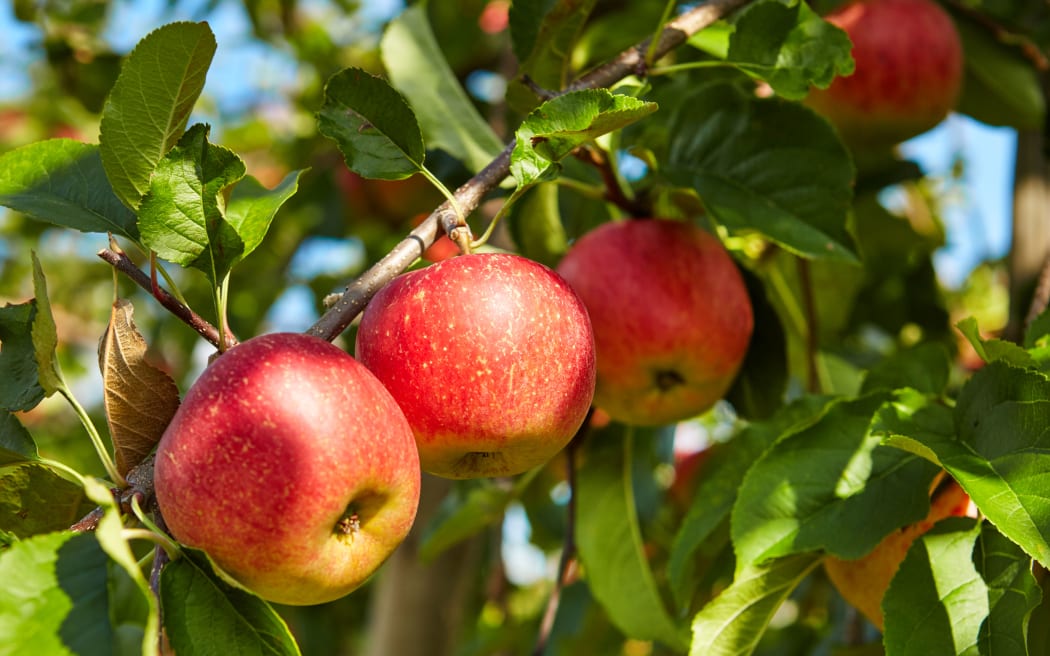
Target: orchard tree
x,y
673,221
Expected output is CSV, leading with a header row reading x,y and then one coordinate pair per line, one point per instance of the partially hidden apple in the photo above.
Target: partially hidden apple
x,y
671,315
491,357
909,71
863,582
292,467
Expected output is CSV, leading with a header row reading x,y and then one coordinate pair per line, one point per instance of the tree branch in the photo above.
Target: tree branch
x,y
631,61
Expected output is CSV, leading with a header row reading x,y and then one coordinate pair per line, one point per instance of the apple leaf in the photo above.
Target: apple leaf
x,y
139,398
61,181
205,615
993,349
1013,592
753,160
150,104
19,383
924,368
937,601
829,486
44,334
417,67
609,542
372,124
55,597
716,491
735,620
34,498
183,215
555,128
789,46
252,207
543,33
16,444
536,224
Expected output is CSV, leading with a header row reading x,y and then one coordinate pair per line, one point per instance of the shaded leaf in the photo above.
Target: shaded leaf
x,y
205,615
45,334
537,227
34,499
789,46
829,486
543,33
752,162
55,597
183,215
924,368
139,398
936,602
1013,593
61,181
733,623
372,124
19,383
609,542
417,67
150,104
16,444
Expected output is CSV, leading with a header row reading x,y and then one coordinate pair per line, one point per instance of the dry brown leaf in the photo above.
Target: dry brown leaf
x,y
140,399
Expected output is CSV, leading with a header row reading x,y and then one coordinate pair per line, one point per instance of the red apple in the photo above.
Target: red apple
x,y
491,357
292,467
688,470
863,582
671,316
909,70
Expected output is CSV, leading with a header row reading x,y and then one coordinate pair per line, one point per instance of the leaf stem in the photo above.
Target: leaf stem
x,y
96,439
163,541
650,52
221,298
459,232
485,236
812,330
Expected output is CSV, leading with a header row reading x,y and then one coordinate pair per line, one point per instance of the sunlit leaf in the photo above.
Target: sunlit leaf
x,y
140,399
45,334
150,103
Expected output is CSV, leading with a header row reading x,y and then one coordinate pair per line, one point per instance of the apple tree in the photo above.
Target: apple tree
x,y
652,307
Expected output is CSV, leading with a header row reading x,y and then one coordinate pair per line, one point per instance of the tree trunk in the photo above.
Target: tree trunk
x,y
1030,251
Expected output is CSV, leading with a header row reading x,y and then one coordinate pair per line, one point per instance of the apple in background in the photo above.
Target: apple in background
x,y
671,315
909,71
863,582
292,467
689,468
490,356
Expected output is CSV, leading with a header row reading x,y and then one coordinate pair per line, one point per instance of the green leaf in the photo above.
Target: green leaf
x,y
45,334
417,67
205,615
609,542
252,207
16,444
765,165
924,368
55,597
372,124
19,383
716,491
183,215
1013,593
993,349
733,623
789,46
936,602
34,499
537,227
61,181
1038,332
150,103
558,126
829,486
543,33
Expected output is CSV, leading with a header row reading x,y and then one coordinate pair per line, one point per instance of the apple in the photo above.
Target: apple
x,y
491,357
909,71
863,582
292,467
689,468
671,315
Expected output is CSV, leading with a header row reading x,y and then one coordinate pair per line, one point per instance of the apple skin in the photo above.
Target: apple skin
x,y
671,315
909,72
863,582
491,357
279,442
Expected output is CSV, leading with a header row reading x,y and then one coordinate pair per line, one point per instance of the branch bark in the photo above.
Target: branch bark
x,y
631,61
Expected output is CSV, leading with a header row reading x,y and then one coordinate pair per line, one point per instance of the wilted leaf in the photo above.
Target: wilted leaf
x,y
203,614
45,334
150,103
61,181
140,399
417,67
372,124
